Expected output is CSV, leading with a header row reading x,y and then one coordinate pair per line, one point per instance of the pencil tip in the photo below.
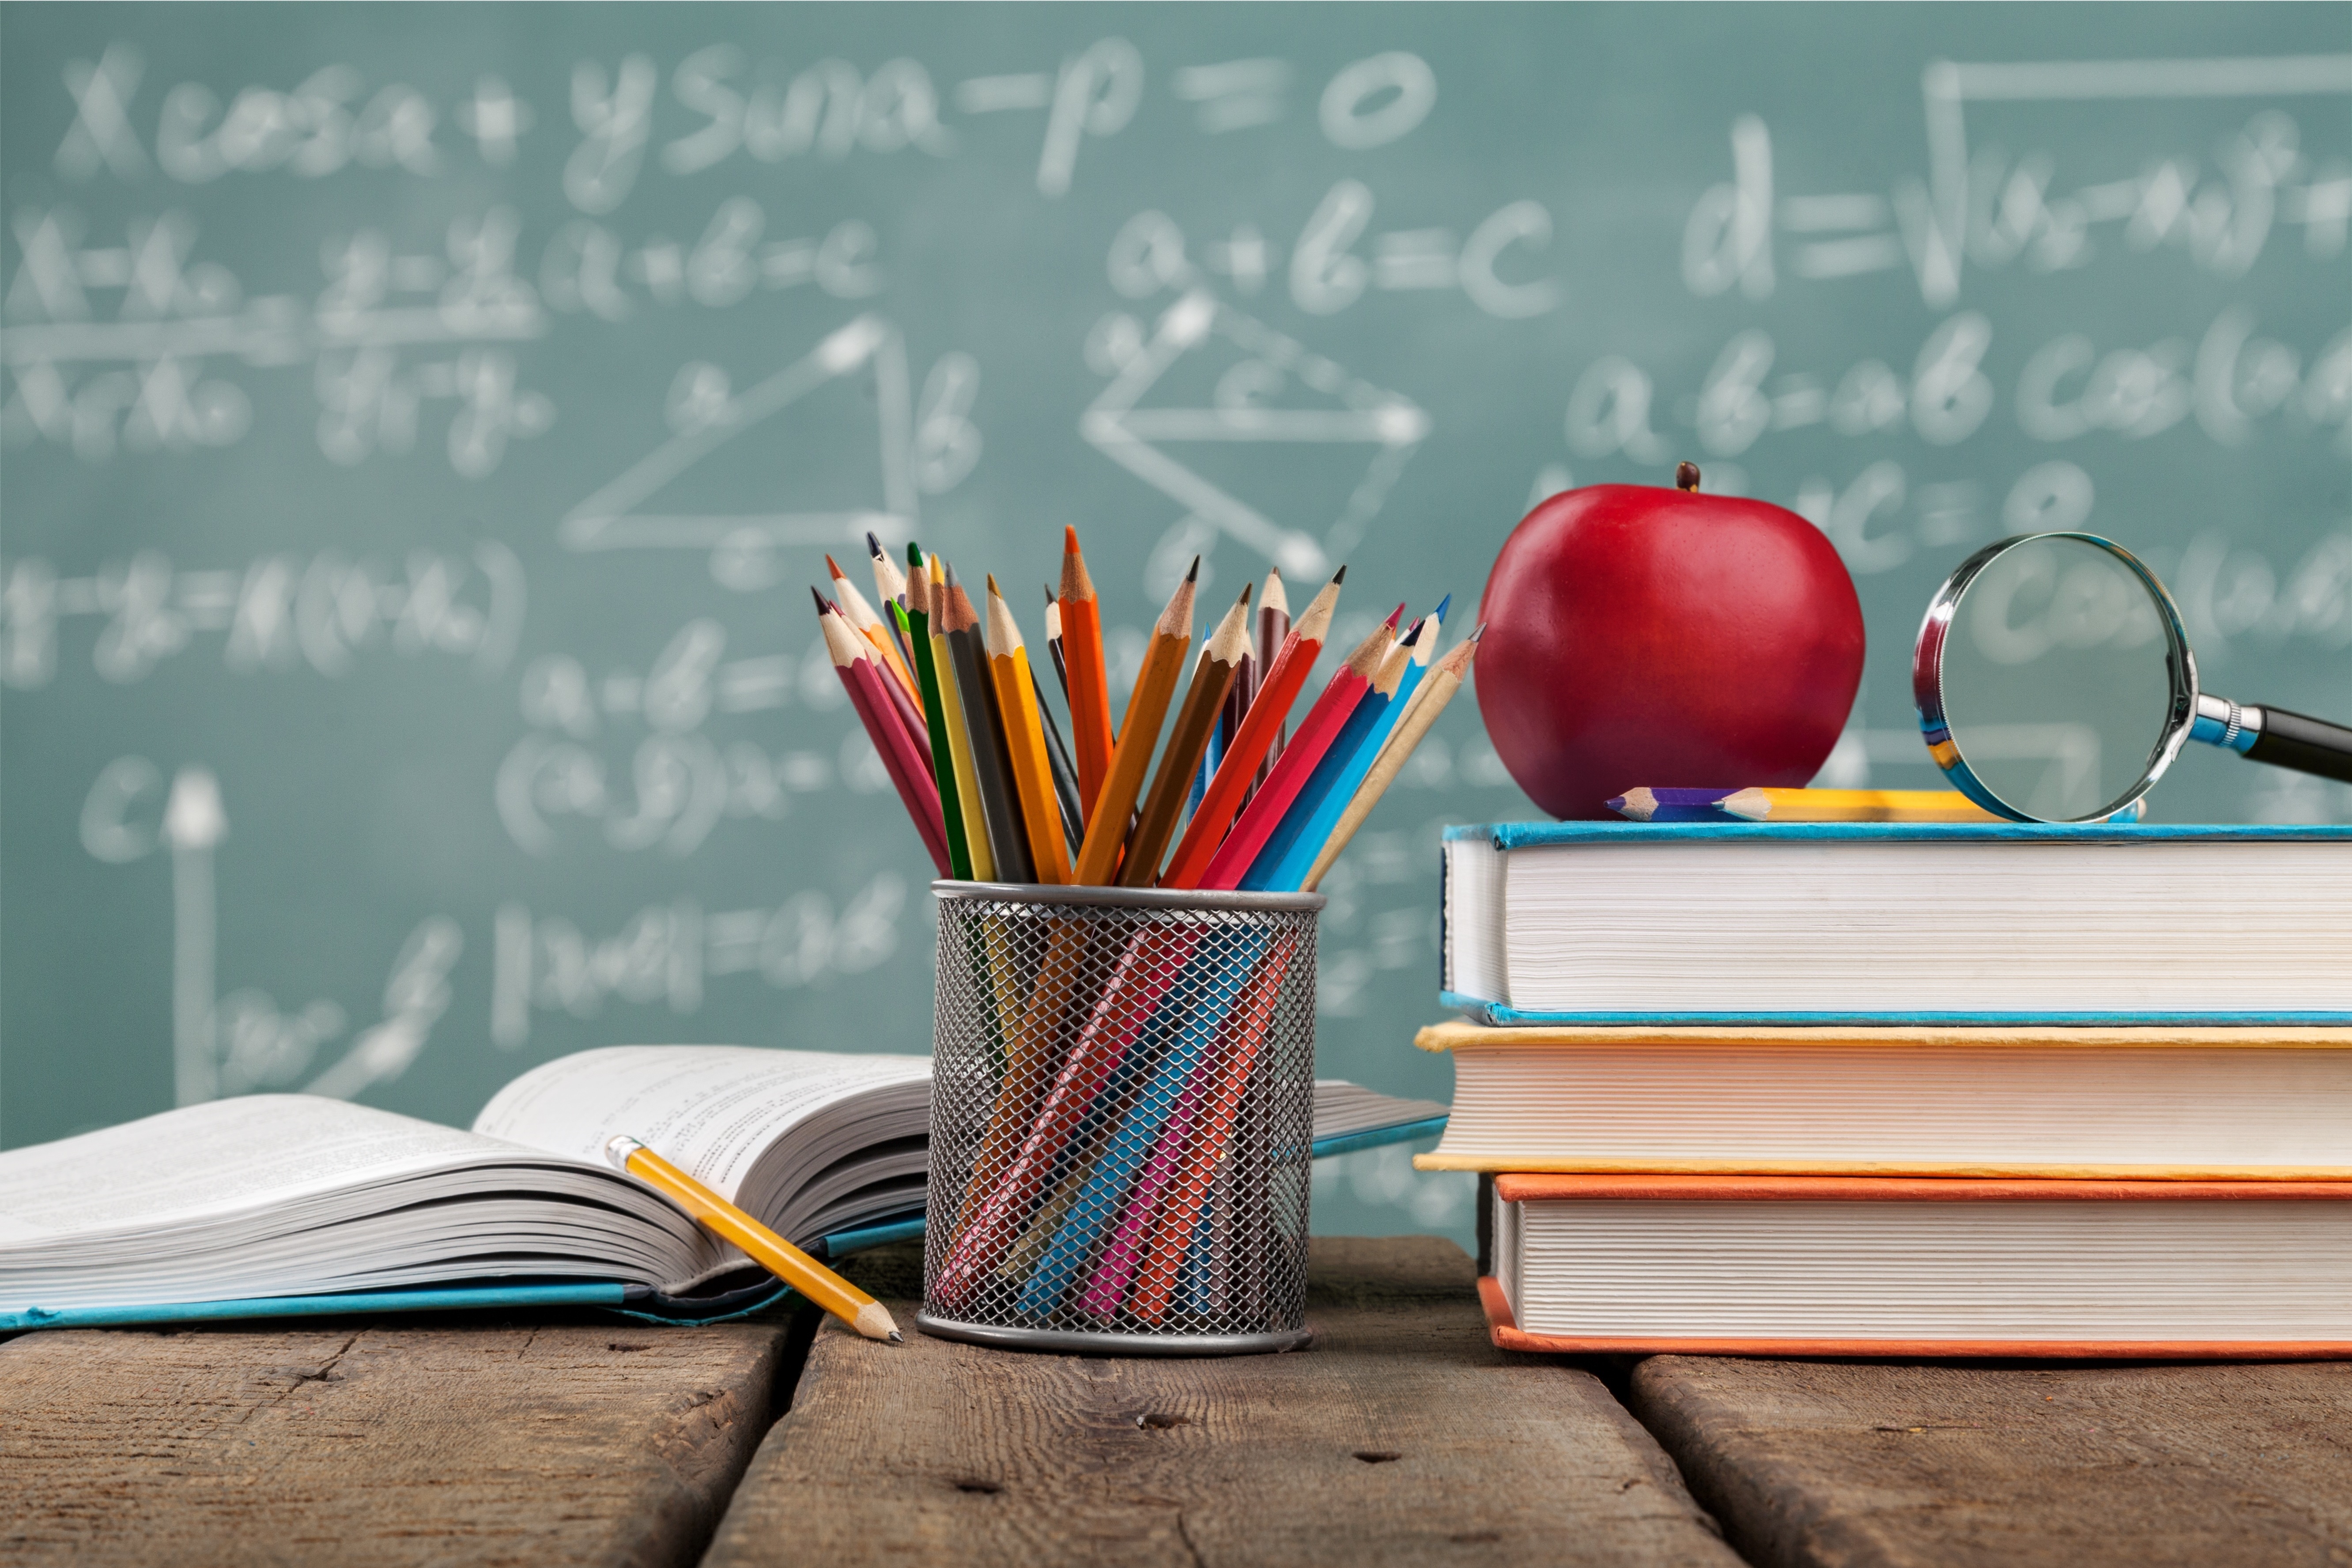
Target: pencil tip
x,y
913,556
1069,538
992,586
833,567
873,544
1439,613
1049,593
897,1338
818,597
1394,616
1195,574
1243,603
1479,631
1339,576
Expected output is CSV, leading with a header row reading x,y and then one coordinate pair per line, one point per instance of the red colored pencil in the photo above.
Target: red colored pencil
x,y
868,689
1320,728
1237,769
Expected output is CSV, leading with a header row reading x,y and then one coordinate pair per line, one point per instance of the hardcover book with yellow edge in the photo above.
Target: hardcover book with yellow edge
x,y
2042,1102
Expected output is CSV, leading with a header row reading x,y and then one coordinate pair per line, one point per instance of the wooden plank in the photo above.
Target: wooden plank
x,y
366,1443
1973,1465
1400,1436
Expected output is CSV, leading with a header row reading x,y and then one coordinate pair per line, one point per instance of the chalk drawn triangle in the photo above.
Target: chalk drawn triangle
x,y
1342,410
620,516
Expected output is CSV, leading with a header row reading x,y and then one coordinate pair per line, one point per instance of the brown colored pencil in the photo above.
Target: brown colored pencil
x,y
1138,733
1024,741
1092,739
1212,677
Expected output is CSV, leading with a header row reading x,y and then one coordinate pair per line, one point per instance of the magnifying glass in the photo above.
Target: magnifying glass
x,y
2054,684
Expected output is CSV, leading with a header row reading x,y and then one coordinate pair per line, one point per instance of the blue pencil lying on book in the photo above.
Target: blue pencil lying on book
x,y
1649,805
1761,804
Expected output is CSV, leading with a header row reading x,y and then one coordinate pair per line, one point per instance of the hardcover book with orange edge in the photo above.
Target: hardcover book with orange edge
x,y
1832,1266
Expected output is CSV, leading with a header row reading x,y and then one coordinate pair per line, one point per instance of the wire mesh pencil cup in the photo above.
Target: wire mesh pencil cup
x,y
1122,1120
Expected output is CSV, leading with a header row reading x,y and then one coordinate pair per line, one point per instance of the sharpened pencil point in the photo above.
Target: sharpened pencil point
x,y
1479,631
1049,593
1440,612
833,567
913,556
897,1338
819,598
1069,538
1339,576
1194,575
873,544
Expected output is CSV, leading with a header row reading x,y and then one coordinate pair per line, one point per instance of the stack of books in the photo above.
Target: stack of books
x,y
1872,1090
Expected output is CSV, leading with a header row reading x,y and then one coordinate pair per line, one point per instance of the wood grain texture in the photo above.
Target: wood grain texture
x,y
1402,1436
1969,1466
355,1443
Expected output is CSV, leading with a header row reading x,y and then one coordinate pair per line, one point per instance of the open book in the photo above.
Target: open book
x,y
276,1204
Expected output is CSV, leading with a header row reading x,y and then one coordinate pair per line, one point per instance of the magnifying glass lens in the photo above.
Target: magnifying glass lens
x,y
2057,681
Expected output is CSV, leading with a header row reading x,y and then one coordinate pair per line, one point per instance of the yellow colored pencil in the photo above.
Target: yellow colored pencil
x,y
1767,804
762,1246
1025,739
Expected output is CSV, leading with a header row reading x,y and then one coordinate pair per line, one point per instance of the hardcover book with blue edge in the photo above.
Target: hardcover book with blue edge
x,y
1893,924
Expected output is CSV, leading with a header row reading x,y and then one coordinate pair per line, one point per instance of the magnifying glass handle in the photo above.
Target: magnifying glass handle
x,y
2307,745
2277,736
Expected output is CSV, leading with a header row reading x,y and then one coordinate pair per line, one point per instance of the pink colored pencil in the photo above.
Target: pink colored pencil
x,y
1323,723
855,663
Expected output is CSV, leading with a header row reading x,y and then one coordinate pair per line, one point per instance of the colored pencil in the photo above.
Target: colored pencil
x,y
1290,848
1138,733
1435,693
1024,741
1289,868
1054,643
771,1252
1092,739
1763,804
1321,726
891,584
868,625
1066,772
1229,1075
1237,770
1212,675
1129,995
1653,803
1272,627
918,613
854,663
1008,839
895,696
981,860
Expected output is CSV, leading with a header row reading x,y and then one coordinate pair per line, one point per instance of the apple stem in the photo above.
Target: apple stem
x,y
1687,476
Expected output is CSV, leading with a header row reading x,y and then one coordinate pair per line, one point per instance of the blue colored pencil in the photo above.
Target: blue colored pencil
x,y
1670,804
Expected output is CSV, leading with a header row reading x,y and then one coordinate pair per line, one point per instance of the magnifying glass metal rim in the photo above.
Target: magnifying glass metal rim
x,y
1928,682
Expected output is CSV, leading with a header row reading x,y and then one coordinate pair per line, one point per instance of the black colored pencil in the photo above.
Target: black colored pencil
x,y
1057,757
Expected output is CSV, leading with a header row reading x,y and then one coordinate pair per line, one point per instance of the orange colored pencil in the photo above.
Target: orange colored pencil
x,y
1138,733
1092,739
1024,738
1212,676
1279,688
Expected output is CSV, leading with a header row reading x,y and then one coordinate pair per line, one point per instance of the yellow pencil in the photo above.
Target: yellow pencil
x,y
1025,739
762,1246
1761,803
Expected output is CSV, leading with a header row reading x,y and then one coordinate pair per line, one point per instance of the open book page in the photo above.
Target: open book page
x,y
712,1110
212,1159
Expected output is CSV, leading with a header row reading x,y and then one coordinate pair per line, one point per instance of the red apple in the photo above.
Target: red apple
x,y
1637,636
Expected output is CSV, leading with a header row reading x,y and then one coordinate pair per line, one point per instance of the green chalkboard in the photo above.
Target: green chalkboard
x,y
421,424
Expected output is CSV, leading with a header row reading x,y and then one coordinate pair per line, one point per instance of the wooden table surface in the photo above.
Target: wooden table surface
x,y
1400,1436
